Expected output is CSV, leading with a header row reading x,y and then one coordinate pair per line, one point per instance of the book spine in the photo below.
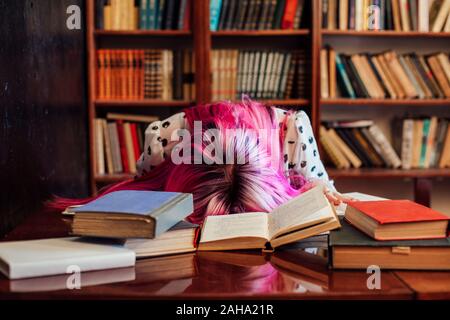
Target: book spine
x,y
343,77
386,147
289,14
407,143
423,149
215,8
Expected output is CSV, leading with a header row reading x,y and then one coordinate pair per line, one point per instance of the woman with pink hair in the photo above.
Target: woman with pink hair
x,y
233,157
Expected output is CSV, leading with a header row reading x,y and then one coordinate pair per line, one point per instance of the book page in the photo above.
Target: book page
x,y
252,224
307,209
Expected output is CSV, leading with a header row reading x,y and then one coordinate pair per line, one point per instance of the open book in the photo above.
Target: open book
x,y
304,216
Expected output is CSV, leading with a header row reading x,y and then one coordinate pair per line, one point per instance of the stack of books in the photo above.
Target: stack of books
x,y
385,75
119,142
142,14
145,74
119,226
357,144
391,234
423,142
256,14
259,74
398,15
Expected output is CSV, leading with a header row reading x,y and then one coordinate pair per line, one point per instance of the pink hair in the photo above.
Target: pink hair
x,y
220,189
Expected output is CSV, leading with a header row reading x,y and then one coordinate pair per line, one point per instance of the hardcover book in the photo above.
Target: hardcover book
x,y
352,249
396,220
132,214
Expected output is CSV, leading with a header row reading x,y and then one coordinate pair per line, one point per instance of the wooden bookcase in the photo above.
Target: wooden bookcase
x,y
311,38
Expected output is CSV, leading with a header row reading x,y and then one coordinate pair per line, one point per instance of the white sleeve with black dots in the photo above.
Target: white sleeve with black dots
x,y
302,149
159,143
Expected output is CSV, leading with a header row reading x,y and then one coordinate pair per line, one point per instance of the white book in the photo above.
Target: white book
x,y
359,11
268,74
424,15
270,83
100,150
37,258
407,143
261,75
277,76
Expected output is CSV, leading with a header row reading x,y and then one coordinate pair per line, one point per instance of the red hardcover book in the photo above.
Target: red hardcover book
x,y
289,14
134,137
187,16
123,148
397,220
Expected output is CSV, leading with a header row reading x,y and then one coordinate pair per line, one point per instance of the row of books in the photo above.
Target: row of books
x,y
398,15
142,14
384,75
423,142
119,141
256,14
259,74
145,74
357,144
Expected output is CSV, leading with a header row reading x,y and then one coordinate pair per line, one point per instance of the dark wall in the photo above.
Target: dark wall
x,y
43,113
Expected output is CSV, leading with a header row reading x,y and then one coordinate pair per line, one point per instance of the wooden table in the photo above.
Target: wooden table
x,y
289,273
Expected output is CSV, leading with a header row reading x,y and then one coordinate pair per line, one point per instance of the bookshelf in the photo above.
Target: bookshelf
x,y
310,37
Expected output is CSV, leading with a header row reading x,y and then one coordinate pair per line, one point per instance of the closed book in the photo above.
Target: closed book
x,y
343,15
407,143
396,220
181,238
241,12
430,141
224,14
349,154
99,147
350,140
352,249
439,142
334,153
108,150
279,11
325,14
99,21
215,7
183,12
385,146
423,142
271,14
441,16
439,74
444,161
232,14
289,14
423,23
37,258
299,14
160,13
343,79
324,81
413,15
129,147
115,147
132,214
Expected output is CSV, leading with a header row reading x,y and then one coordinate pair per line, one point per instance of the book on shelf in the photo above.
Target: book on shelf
x,y
46,257
304,216
396,220
145,74
142,14
119,142
396,15
256,14
259,74
386,75
423,142
352,249
357,144
131,214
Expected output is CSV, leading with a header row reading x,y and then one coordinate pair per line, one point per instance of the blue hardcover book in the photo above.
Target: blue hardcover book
x,y
159,15
132,214
152,14
143,14
214,10
345,81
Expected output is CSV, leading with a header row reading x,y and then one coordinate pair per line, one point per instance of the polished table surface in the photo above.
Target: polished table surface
x,y
289,273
